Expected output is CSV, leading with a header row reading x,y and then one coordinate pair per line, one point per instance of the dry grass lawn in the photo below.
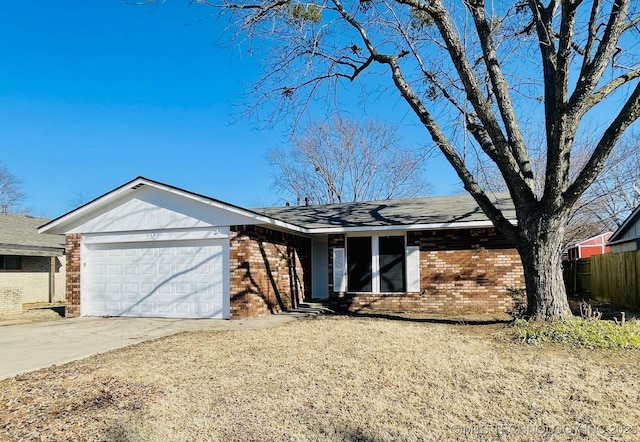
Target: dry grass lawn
x,y
333,379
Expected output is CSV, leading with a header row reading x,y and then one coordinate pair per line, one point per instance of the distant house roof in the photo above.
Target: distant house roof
x,y
430,212
19,236
629,230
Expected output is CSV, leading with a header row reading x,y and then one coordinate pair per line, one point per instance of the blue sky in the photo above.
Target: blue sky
x,y
95,93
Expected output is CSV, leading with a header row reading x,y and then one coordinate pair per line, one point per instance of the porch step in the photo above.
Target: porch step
x,y
311,309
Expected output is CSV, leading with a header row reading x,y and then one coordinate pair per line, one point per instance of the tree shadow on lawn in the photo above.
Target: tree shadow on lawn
x,y
609,312
425,319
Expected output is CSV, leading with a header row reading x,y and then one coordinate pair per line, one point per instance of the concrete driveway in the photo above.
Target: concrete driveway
x,y
28,347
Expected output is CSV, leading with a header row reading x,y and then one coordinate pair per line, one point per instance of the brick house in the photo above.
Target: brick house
x,y
150,249
32,266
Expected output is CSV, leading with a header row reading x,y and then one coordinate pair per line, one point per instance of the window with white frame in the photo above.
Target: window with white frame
x,y
377,264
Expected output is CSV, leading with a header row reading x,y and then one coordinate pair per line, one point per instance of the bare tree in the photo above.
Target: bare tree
x,y
611,198
616,192
496,68
11,195
605,204
347,160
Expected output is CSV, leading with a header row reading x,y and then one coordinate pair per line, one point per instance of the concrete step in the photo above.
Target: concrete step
x,y
311,309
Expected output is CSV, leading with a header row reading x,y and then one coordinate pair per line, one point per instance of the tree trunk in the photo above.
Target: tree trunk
x,y
541,253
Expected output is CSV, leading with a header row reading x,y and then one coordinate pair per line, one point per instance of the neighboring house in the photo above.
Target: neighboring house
x,y
31,265
627,237
596,245
150,249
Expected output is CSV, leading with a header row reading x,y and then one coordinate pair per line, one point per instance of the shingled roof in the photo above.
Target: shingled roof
x,y
19,236
430,211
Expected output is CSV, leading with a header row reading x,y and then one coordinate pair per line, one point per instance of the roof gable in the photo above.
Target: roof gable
x,y
629,230
143,204
152,209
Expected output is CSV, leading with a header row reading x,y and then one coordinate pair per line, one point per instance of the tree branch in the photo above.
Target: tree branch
x,y
630,112
500,88
592,71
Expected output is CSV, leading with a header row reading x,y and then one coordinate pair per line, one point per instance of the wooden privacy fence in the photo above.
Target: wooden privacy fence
x,y
577,277
612,277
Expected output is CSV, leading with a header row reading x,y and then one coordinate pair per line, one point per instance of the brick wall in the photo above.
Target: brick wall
x,y
269,271
33,279
10,301
461,271
73,274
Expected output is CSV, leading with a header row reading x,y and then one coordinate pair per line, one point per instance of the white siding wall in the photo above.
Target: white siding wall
x,y
152,209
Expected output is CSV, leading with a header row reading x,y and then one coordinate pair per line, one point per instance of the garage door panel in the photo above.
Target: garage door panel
x,y
156,280
147,307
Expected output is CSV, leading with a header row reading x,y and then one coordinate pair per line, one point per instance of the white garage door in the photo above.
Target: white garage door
x,y
171,280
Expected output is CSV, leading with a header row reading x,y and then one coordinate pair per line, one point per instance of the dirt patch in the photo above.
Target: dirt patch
x,y
332,379
609,311
28,315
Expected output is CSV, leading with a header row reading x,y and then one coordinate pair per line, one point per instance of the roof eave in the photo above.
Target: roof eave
x,y
25,250
620,231
622,241
423,226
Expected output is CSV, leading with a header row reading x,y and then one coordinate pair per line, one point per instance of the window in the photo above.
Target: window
x,y
359,269
376,264
10,263
392,263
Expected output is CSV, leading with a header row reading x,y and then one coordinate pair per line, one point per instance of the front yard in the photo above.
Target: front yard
x,y
335,379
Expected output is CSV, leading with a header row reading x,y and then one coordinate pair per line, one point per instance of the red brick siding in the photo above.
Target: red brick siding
x,y
461,271
73,275
269,271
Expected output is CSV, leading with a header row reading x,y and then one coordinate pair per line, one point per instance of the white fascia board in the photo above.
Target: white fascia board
x,y
93,205
431,226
